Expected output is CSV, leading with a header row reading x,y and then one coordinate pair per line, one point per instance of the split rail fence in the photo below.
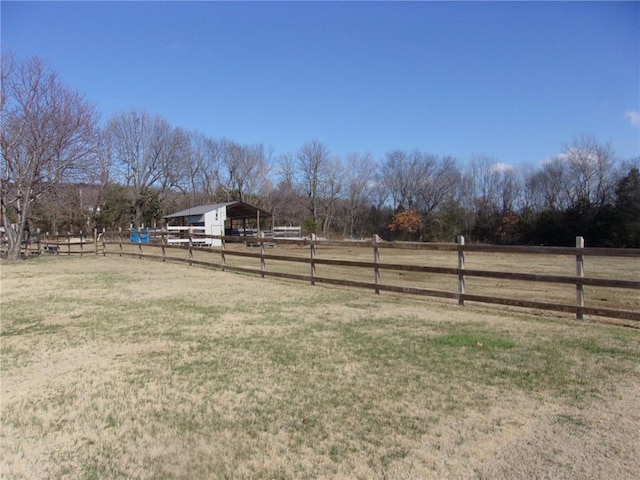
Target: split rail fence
x,y
158,247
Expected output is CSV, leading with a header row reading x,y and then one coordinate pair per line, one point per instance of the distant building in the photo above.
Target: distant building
x,y
230,218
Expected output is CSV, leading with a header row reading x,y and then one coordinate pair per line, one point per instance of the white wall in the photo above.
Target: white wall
x,y
214,224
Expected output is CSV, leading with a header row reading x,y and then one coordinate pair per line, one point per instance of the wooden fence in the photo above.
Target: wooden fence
x,y
118,243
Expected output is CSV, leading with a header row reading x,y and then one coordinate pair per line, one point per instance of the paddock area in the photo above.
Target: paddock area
x,y
583,281
119,367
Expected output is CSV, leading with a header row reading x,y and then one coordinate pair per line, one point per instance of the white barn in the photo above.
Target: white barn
x,y
230,218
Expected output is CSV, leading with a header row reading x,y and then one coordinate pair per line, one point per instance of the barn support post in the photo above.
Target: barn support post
x,y
376,261
313,259
579,274
263,266
461,280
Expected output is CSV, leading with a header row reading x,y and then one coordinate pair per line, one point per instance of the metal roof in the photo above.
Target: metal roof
x,y
234,210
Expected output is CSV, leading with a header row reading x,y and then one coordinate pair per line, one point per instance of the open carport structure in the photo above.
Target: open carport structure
x,y
229,218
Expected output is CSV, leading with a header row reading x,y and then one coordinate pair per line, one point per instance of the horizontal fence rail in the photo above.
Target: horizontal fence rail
x,y
156,246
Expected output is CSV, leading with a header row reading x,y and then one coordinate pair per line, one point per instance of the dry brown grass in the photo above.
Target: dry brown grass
x,y
125,368
599,267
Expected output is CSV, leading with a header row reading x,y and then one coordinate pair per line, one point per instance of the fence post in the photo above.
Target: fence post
x,y
57,243
139,242
68,243
190,248
95,240
461,282
579,274
376,261
263,266
313,259
163,240
104,242
26,245
120,239
81,244
224,259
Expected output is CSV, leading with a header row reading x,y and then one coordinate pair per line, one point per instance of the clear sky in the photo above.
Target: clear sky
x,y
512,80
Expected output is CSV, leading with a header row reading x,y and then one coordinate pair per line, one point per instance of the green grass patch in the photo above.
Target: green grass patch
x,y
466,339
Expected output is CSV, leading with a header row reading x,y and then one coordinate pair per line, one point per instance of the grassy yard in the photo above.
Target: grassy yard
x,y
619,268
125,368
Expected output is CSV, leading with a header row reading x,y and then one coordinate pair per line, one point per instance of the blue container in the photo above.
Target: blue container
x,y
140,235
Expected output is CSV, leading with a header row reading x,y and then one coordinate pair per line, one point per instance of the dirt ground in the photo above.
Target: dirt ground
x,y
512,436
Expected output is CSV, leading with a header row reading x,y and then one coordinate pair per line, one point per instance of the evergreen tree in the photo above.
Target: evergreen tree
x,y
627,215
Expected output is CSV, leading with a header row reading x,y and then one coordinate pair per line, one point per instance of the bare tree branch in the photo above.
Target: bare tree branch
x,y
48,136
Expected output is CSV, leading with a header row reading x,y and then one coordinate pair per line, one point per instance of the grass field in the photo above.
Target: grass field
x,y
125,368
619,268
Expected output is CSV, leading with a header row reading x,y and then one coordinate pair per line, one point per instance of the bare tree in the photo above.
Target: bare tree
x,y
197,172
590,171
253,170
313,164
437,179
422,182
380,192
509,189
400,176
176,149
419,180
212,160
148,150
280,192
360,172
585,172
245,167
101,176
72,206
485,185
330,192
380,214
286,169
189,171
546,186
48,134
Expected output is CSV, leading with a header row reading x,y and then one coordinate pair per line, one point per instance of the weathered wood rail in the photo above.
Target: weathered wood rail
x,y
118,243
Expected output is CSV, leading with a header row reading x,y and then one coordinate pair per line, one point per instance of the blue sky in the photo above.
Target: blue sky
x,y
511,80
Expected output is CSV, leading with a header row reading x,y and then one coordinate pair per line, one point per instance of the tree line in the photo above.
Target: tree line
x,y
64,170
